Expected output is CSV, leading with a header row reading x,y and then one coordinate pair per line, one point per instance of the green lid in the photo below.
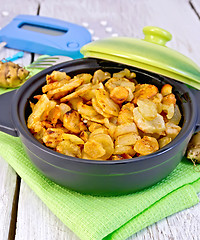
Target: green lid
x,y
149,53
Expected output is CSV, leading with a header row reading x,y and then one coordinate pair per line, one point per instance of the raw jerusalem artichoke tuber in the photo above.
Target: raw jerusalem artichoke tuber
x,y
193,151
12,75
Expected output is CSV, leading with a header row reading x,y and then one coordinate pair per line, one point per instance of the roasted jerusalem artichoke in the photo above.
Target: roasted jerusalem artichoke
x,y
12,75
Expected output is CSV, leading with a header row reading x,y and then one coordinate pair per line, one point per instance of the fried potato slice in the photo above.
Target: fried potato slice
x,y
106,143
126,114
52,137
94,149
88,112
177,115
56,76
123,82
73,138
68,148
54,115
38,110
100,76
106,103
147,108
39,135
78,92
164,141
110,126
125,128
172,130
54,85
71,121
157,125
101,130
65,89
119,94
121,149
166,89
127,139
146,145
51,104
169,99
93,126
144,91
99,109
64,108
84,135
169,109
86,77
157,99
124,73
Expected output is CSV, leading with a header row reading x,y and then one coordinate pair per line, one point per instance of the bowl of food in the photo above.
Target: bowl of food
x,y
101,126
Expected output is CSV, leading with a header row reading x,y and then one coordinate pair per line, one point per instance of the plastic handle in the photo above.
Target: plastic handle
x,y
6,124
197,97
14,57
156,35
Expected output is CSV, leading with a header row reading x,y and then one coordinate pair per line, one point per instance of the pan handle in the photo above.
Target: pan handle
x,y
6,123
196,94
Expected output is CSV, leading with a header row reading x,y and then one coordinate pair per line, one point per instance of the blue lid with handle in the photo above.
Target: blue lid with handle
x,y
45,35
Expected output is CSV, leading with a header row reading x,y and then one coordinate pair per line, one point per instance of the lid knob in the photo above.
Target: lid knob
x,y
156,35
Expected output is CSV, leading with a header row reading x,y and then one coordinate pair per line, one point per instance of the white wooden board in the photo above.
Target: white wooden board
x,y
8,178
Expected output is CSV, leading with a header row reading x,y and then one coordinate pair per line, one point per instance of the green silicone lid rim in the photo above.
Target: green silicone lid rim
x,y
149,54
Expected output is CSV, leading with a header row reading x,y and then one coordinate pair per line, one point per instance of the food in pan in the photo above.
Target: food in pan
x,y
103,116
12,75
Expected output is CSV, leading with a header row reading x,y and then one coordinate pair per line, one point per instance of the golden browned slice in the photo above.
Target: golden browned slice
x,y
65,89
69,148
127,139
88,112
56,76
144,91
157,125
78,92
106,103
99,146
52,137
98,108
71,121
12,75
146,145
38,110
119,94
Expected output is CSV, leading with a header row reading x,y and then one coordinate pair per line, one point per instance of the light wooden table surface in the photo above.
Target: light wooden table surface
x,y
23,216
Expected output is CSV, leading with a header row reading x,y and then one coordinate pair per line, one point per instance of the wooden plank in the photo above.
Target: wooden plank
x,y
35,221
9,184
180,226
8,179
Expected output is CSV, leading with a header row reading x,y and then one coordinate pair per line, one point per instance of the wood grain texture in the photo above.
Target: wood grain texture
x,y
36,221
8,180
126,18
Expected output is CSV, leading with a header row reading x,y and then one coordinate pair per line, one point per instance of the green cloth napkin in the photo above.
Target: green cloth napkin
x,y
92,217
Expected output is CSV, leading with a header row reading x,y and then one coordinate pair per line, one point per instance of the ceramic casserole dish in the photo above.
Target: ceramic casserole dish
x,y
153,63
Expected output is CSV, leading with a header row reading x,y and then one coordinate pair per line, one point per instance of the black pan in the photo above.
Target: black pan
x,y
99,177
